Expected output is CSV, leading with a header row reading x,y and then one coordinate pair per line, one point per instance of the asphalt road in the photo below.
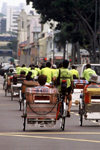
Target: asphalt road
x,y
74,137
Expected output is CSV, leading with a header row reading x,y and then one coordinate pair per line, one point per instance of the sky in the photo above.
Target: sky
x,y
12,2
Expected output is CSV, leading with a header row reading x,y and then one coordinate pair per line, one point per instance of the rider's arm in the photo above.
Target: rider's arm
x,y
72,82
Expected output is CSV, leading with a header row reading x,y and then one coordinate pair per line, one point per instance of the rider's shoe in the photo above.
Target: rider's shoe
x,y
68,114
66,103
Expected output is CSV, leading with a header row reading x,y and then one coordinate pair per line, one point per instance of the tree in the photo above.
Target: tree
x,y
60,38
80,16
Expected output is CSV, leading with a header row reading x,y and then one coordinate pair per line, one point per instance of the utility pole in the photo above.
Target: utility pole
x,y
99,28
95,31
53,52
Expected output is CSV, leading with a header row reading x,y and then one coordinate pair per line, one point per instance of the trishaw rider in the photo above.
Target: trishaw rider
x,y
74,72
92,84
28,82
48,72
65,74
34,72
87,73
18,69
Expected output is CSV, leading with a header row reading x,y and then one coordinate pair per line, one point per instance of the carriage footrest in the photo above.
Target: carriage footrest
x,y
45,121
93,116
92,107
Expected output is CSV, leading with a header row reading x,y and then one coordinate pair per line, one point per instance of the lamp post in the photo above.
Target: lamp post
x,y
53,56
37,53
35,40
67,48
99,30
52,47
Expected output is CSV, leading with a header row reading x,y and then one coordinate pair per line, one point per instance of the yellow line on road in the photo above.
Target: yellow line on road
x,y
52,138
50,133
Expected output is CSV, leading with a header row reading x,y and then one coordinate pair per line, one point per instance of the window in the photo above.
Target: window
x,y
22,24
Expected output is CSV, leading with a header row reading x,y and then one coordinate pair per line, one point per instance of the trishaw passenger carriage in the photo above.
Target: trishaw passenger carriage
x,y
89,105
43,109
16,87
7,84
79,85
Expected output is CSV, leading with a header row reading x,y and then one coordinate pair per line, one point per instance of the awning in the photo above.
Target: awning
x,y
58,57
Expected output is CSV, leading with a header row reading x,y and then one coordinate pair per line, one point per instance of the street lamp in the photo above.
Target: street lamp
x,y
53,56
67,48
37,53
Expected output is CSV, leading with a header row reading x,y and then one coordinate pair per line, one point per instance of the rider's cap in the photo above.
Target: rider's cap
x,y
94,78
54,66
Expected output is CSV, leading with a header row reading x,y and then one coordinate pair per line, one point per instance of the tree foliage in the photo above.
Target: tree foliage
x,y
65,10
80,17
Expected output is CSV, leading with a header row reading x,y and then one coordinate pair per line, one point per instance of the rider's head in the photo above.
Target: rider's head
x,y
93,78
48,64
88,66
60,65
28,77
65,63
22,73
23,65
73,67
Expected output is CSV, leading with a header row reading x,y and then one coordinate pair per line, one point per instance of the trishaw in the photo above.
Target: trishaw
x,y
89,106
8,78
43,109
7,84
4,82
79,85
16,87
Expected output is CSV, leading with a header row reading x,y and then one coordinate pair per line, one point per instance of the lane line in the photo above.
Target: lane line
x,y
51,133
52,138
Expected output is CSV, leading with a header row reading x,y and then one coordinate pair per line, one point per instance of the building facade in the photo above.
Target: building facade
x,y
2,24
12,15
28,31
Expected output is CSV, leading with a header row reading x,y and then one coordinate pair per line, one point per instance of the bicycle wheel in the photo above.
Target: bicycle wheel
x,y
11,96
63,124
81,115
24,124
5,92
81,119
63,117
3,85
20,105
24,115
